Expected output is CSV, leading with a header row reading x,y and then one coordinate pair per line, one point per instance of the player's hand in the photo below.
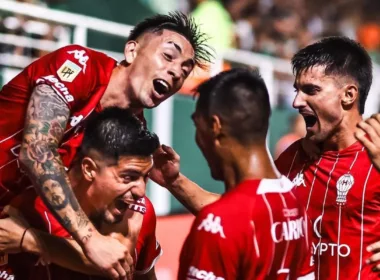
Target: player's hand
x,y
310,148
11,231
371,128
110,256
166,166
375,258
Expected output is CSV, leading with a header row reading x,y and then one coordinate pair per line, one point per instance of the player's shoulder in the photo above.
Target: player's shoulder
x,y
291,150
235,205
81,55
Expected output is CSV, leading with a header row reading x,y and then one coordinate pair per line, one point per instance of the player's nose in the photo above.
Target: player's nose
x,y
175,72
139,189
299,101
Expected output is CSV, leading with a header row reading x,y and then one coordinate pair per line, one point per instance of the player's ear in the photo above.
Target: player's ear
x,y
216,127
350,95
130,51
89,168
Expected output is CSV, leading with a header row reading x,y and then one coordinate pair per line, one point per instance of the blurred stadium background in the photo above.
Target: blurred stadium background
x,y
261,34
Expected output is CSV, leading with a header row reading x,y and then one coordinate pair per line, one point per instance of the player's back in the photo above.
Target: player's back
x,y
256,231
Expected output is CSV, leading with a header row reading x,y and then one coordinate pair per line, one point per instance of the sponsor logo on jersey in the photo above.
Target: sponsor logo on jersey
x,y
68,71
343,185
212,224
299,180
332,249
6,275
81,56
195,273
57,86
288,230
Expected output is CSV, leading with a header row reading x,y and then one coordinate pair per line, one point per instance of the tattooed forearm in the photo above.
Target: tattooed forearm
x,y
46,120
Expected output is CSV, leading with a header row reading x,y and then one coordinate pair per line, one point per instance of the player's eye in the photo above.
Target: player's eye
x,y
168,57
185,73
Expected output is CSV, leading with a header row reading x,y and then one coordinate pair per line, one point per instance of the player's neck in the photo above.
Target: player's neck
x,y
117,92
344,136
244,163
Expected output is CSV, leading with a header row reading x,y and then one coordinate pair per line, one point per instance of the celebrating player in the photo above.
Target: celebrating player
x,y
114,160
258,228
340,189
43,110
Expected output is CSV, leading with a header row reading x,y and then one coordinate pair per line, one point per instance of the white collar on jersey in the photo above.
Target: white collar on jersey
x,y
281,185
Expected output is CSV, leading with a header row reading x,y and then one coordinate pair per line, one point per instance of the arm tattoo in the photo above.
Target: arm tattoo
x,y
46,121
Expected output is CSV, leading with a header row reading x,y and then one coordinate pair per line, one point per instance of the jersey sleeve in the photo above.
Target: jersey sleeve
x,y
210,251
51,223
150,248
69,71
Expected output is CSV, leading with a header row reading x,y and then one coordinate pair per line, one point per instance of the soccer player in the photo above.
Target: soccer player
x,y
258,229
115,157
341,188
44,108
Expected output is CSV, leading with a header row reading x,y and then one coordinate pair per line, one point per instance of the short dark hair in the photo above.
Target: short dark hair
x,y
183,25
240,98
116,132
341,56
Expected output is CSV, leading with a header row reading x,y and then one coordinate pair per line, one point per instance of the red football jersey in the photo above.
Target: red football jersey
x,y
258,230
341,192
79,76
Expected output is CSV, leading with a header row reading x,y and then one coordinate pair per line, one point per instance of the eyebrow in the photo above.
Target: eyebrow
x,y
307,86
178,48
130,172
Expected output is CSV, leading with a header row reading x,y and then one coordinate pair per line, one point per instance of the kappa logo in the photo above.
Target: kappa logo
x,y
343,185
212,224
81,56
195,273
68,71
299,180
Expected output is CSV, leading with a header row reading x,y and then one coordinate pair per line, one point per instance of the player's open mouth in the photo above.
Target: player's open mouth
x,y
161,86
120,206
310,120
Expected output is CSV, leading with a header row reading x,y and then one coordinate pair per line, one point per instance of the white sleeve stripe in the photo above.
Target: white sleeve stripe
x,y
310,276
58,93
145,271
47,219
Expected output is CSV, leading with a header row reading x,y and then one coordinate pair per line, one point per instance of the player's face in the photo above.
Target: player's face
x,y
206,143
119,184
162,63
319,101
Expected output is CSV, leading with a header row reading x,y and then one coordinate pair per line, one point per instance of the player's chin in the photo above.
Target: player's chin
x,y
150,103
216,174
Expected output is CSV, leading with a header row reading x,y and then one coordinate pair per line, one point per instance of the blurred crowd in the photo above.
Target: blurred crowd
x,y
281,27
272,27
25,37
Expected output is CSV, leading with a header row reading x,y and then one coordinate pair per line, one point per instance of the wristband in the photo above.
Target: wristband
x,y
22,239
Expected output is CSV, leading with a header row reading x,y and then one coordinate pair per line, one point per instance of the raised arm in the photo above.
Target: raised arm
x,y
46,119
166,173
